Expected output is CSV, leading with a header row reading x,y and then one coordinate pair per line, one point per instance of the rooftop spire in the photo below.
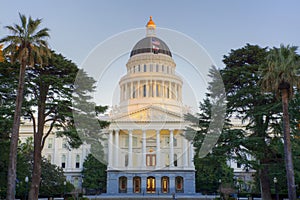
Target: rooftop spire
x,y
150,27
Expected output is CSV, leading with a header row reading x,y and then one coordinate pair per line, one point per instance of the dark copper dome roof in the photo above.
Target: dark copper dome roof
x,y
150,44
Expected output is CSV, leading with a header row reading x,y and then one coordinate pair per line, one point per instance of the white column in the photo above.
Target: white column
x,y
110,149
131,90
171,149
155,89
170,90
191,164
126,91
185,152
130,149
144,148
158,148
138,89
116,151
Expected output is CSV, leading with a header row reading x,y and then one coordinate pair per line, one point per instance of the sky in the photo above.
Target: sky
x,y
77,26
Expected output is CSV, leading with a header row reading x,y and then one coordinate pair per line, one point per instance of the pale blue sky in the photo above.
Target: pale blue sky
x,y
78,26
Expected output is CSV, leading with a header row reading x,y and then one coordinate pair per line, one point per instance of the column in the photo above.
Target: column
x,y
191,159
144,148
138,89
131,90
130,148
158,148
171,149
185,152
116,151
170,90
126,91
110,148
155,92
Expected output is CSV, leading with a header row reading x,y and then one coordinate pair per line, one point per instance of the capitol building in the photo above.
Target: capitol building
x,y
148,151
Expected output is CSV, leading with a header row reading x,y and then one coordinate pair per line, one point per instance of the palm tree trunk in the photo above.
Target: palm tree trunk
x,y
12,166
287,146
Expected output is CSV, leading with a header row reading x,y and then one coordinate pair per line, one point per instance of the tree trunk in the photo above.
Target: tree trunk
x,y
37,159
287,146
12,166
265,182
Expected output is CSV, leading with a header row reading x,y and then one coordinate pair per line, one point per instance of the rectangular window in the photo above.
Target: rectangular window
x,y
145,68
126,140
151,67
64,144
134,141
144,91
174,142
150,159
156,67
50,143
139,68
167,140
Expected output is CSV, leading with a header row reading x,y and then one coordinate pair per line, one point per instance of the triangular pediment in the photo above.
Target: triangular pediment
x,y
149,113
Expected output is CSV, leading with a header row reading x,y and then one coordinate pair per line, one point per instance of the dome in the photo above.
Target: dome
x,y
151,44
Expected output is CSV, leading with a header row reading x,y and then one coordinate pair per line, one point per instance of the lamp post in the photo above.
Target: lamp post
x,y
26,181
220,187
276,189
65,183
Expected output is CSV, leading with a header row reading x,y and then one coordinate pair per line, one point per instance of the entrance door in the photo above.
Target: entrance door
x,y
137,184
150,184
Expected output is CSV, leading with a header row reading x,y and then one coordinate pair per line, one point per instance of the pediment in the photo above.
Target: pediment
x,y
149,113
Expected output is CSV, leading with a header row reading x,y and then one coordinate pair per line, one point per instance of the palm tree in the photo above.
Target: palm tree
x,y
281,75
27,46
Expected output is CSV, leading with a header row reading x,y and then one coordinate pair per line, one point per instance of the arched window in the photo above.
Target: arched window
x,y
151,187
122,184
77,164
126,160
136,184
63,161
165,184
179,184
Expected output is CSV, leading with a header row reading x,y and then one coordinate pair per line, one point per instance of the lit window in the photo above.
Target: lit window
x,y
150,159
165,184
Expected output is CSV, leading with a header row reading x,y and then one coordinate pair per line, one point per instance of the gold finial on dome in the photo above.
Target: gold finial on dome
x,y
151,23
